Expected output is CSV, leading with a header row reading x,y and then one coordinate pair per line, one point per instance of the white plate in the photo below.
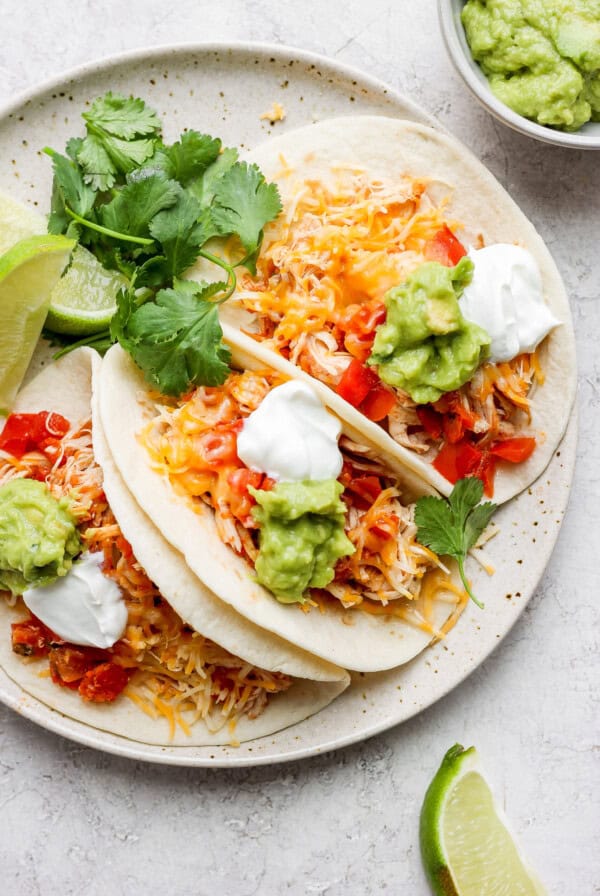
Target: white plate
x,y
224,89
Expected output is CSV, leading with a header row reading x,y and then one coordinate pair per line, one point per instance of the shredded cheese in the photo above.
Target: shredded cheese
x,y
340,246
178,674
195,446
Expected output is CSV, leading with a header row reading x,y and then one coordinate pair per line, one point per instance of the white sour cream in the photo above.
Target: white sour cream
x,y
83,607
291,437
505,297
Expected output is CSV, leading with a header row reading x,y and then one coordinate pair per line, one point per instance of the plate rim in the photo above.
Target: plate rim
x,y
53,720
284,51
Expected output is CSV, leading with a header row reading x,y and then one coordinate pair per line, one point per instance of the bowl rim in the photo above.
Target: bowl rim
x,y
465,66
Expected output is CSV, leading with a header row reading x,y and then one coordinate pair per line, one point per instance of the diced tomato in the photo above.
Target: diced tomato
x,y
218,447
356,382
486,471
241,501
459,459
514,450
360,329
32,637
445,248
386,526
360,490
454,428
456,418
23,433
69,664
431,421
103,683
378,403
241,478
361,387
456,460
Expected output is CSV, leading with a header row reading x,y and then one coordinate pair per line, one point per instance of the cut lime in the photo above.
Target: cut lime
x,y
84,299
17,221
28,273
466,847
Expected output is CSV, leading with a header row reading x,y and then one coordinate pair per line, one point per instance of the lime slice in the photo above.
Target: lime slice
x,y
466,847
84,299
28,272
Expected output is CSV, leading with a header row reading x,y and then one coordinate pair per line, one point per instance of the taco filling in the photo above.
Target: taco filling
x,y
154,658
319,517
365,285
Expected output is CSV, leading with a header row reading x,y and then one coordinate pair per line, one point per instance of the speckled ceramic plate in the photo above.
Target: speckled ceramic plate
x,y
224,89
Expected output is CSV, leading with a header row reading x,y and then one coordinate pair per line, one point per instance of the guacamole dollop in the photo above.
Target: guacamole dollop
x,y
426,347
541,58
38,536
301,536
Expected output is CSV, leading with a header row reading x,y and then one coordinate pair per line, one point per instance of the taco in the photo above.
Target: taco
x,y
293,518
458,364
185,669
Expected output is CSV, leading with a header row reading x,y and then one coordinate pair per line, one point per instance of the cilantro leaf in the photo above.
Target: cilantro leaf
x,y
125,117
190,156
452,526
68,189
73,147
125,307
148,210
96,163
177,339
104,157
134,207
243,203
204,188
121,135
181,232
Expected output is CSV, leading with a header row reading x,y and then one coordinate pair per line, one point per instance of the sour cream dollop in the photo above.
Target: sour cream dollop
x,y
505,297
291,437
83,607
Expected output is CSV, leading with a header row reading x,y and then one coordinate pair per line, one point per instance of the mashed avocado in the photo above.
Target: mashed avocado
x,y
301,536
542,57
38,536
426,347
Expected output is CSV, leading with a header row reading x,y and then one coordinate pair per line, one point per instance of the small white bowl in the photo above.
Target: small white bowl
x,y
587,137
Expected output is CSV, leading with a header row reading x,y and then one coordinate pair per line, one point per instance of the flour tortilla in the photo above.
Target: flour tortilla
x,y
66,388
351,639
387,147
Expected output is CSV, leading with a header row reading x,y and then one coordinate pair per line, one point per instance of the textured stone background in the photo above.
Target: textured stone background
x,y
74,821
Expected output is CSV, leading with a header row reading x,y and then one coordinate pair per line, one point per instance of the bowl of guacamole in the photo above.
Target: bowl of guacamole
x,y
535,66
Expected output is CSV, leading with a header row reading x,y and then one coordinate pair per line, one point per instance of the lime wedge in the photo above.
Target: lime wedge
x,y
17,221
84,299
28,272
466,847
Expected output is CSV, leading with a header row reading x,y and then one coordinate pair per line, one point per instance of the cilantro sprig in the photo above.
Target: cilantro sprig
x,y
452,525
148,209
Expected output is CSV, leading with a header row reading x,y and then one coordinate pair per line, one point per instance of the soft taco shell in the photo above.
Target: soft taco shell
x,y
352,639
66,387
388,147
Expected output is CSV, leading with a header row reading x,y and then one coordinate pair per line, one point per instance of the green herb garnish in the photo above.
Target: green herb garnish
x,y
175,339
452,525
148,209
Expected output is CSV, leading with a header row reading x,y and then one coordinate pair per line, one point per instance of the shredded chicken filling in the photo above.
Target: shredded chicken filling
x,y
338,248
195,444
175,672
